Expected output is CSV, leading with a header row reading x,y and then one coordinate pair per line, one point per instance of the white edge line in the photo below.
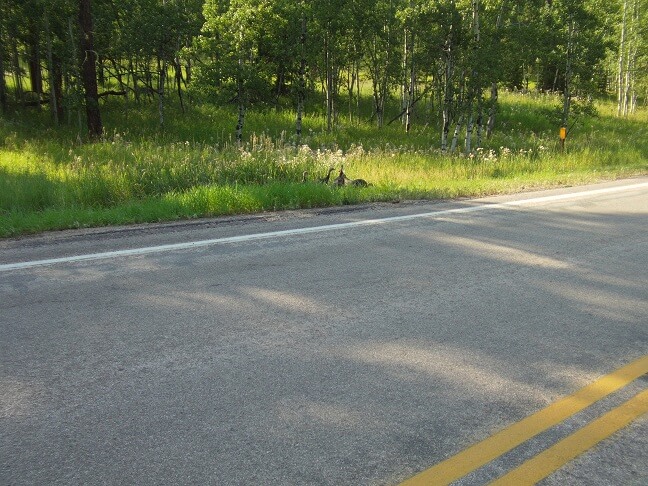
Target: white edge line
x,y
315,229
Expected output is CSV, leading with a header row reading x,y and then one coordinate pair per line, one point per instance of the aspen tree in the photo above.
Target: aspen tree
x,y
301,89
381,56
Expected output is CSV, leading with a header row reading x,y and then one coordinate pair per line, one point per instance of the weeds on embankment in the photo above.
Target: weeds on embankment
x,y
139,173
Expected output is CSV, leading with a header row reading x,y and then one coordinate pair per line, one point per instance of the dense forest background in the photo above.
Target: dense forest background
x,y
451,57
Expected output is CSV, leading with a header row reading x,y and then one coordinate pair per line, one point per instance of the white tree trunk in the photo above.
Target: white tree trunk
x,y
302,82
469,131
633,50
620,67
568,74
455,137
329,83
412,85
448,94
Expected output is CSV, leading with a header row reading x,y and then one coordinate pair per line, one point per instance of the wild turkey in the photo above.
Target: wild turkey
x,y
359,183
327,178
341,179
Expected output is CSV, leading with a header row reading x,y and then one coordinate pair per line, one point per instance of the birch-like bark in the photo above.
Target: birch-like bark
x,y
474,90
376,82
445,130
447,99
632,67
409,78
626,87
568,73
408,75
411,88
461,104
620,66
633,50
358,91
329,81
403,84
448,90
455,137
301,91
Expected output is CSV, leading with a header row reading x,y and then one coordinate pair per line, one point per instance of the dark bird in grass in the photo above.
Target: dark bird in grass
x,y
327,177
359,183
341,179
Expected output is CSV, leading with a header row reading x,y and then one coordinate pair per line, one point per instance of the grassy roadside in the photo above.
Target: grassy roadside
x,y
50,181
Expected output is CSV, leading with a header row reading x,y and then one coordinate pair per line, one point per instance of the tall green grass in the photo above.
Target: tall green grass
x,y
50,179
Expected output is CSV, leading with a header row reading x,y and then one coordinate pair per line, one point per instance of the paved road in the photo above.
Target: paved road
x,y
355,354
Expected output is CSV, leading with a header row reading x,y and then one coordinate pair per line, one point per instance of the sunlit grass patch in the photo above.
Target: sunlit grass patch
x,y
191,167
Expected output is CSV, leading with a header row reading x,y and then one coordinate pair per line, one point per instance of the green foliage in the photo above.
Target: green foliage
x,y
193,168
429,67
252,52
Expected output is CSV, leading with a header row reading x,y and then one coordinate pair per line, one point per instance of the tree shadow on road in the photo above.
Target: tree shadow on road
x,y
322,360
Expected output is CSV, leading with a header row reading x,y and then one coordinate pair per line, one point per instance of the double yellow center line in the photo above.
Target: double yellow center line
x,y
551,459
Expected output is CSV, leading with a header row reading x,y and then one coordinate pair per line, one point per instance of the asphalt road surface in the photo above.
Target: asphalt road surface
x,y
314,347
